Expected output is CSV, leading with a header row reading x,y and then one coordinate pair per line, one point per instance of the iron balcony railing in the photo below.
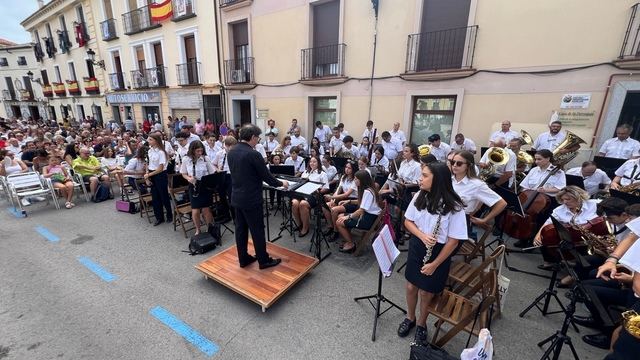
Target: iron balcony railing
x,y
323,61
138,20
631,42
117,81
149,78
8,95
63,41
239,71
182,9
224,3
108,28
189,73
450,49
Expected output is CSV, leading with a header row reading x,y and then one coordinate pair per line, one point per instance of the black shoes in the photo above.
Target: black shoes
x,y
169,219
421,336
270,263
158,222
522,243
348,251
247,261
405,327
601,341
586,321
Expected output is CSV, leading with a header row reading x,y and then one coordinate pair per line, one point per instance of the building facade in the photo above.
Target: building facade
x,y
20,96
438,66
64,37
159,68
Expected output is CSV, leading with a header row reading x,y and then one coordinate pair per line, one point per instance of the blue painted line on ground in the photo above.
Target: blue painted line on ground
x,y
97,269
47,234
194,337
16,213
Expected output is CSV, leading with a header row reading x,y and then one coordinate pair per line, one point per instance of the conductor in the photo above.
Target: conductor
x,y
247,174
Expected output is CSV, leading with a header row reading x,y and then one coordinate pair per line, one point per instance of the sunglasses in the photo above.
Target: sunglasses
x,y
457,163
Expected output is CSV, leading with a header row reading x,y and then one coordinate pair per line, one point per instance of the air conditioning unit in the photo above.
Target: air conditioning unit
x,y
238,76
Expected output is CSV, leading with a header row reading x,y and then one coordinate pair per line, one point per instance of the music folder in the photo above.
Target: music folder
x,y
630,199
575,180
282,170
385,250
211,181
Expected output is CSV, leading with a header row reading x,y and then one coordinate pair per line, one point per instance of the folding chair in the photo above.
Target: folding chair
x,y
181,209
144,200
29,184
366,236
78,183
473,249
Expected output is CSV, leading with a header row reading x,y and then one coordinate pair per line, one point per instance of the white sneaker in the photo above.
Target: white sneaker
x,y
25,202
38,198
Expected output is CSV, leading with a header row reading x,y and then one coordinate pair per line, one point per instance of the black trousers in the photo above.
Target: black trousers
x,y
610,293
251,219
160,195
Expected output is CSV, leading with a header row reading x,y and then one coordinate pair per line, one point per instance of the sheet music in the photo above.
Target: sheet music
x,y
292,185
308,188
385,250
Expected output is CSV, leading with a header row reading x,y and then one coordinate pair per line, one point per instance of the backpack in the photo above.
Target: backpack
x,y
102,194
205,242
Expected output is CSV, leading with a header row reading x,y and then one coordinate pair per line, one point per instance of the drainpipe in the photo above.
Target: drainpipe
x,y
606,95
219,59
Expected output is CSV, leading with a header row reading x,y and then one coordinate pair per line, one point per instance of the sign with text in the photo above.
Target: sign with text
x,y
134,98
575,101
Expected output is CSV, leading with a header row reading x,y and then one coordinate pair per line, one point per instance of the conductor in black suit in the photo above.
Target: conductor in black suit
x,y
248,171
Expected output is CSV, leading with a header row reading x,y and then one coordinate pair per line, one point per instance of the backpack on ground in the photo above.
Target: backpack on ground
x,y
102,194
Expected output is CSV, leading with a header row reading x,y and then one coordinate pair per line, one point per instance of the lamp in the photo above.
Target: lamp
x,y
30,75
92,58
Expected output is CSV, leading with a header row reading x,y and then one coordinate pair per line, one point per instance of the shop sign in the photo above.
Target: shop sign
x,y
134,98
575,101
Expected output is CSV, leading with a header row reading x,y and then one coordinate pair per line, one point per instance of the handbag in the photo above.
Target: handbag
x,y
503,285
206,241
428,352
126,205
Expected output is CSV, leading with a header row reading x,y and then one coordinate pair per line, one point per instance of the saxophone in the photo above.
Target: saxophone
x,y
435,233
632,189
631,321
601,245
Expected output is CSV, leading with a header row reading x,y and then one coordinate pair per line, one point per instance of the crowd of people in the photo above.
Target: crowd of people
x,y
443,194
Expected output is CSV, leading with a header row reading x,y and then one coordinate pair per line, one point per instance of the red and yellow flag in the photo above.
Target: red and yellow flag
x,y
161,11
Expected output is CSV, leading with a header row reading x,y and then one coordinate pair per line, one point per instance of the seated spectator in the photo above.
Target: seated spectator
x,y
70,153
60,179
10,165
135,169
110,162
91,171
40,160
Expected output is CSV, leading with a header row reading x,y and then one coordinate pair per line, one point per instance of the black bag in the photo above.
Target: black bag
x,y
428,352
102,194
205,242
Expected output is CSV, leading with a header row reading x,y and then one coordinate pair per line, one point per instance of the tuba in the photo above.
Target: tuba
x,y
497,156
424,150
571,140
526,137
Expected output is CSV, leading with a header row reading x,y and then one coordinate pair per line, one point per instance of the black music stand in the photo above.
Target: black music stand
x,y
608,165
287,213
630,199
575,180
282,170
339,163
212,183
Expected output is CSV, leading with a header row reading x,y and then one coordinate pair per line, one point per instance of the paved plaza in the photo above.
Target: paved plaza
x,y
93,283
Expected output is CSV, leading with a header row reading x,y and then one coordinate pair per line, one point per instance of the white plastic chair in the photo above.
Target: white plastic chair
x,y
29,184
77,180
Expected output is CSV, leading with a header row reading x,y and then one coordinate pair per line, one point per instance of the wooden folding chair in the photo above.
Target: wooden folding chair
x,y
366,236
473,249
144,201
180,209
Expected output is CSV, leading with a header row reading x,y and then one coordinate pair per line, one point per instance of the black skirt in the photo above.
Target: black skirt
x,y
203,200
365,222
436,281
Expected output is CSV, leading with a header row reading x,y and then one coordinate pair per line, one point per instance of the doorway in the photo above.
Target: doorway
x,y
15,110
241,112
152,113
35,113
630,113
115,110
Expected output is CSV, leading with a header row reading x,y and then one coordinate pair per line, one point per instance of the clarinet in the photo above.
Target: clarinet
x,y
196,186
436,232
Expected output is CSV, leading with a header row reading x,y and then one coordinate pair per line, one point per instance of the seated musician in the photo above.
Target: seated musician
x,y
340,201
135,170
348,150
627,174
301,205
271,144
575,209
363,148
285,146
594,179
365,214
195,165
316,144
472,190
363,162
379,160
295,160
327,167
408,176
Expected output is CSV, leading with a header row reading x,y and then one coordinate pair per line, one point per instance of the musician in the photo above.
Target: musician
x,y
472,190
271,128
328,168
348,150
157,179
292,128
594,178
504,133
276,160
555,182
315,144
335,144
398,134
462,143
435,218
299,141
551,139
343,132
621,146
323,133
210,144
391,147
183,147
627,174
296,161
368,131
195,165
363,164
363,148
366,214
575,209
339,202
285,146
221,164
379,160
271,144
503,174
407,175
438,148
301,205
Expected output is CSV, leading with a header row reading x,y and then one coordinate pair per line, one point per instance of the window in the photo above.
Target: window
x,y
432,115
72,72
56,69
45,77
324,110
4,62
22,60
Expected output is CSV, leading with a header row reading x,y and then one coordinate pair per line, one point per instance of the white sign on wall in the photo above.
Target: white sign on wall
x,y
575,101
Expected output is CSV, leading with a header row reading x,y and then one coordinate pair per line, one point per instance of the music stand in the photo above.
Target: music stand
x,y
339,163
630,199
311,189
282,170
212,183
608,165
483,149
575,180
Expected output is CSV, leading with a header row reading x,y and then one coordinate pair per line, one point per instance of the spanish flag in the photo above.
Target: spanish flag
x,y
161,11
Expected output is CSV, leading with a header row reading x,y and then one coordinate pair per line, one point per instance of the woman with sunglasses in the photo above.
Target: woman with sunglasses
x,y
473,191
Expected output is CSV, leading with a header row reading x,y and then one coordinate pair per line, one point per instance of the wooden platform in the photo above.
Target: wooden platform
x,y
264,287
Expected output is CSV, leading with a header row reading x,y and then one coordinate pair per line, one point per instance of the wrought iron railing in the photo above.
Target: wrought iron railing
x,y
183,9
149,78
63,41
631,42
138,20
8,95
224,3
188,73
323,61
449,49
239,71
117,81
108,28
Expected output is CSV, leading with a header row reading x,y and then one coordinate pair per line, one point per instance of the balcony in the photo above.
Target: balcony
x,y
234,4
117,81
9,95
47,90
108,28
25,95
59,89
4,62
91,85
22,61
63,41
238,73
323,64
188,73
138,20
82,35
37,52
629,57
73,87
441,54
182,10
149,78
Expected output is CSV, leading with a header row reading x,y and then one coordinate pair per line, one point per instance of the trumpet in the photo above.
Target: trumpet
x,y
497,156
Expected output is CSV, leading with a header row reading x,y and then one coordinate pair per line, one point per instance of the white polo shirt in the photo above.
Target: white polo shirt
x,y
270,146
629,172
398,136
384,162
473,192
317,177
299,141
410,171
452,225
157,157
536,175
507,136
391,148
220,162
335,144
467,144
369,204
203,167
564,215
298,164
548,141
591,182
441,151
625,149
322,133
